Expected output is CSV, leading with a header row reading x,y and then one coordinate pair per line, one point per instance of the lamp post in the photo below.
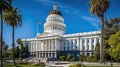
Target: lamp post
x,y
111,56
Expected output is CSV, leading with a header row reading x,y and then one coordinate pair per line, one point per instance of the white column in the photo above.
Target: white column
x,y
48,45
36,45
45,55
48,55
90,44
42,42
51,54
56,44
39,45
51,44
55,55
78,46
85,44
45,45
81,44
74,48
31,47
42,54
95,39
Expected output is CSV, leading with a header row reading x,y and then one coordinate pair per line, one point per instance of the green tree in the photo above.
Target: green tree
x,y
4,50
4,4
22,53
62,58
69,56
72,59
17,52
23,49
114,42
97,51
82,57
19,42
14,19
99,7
111,26
26,51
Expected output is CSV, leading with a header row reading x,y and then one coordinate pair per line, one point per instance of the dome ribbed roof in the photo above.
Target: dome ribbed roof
x,y
55,12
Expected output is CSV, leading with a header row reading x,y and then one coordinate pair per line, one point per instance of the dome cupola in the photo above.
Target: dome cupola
x,y
55,11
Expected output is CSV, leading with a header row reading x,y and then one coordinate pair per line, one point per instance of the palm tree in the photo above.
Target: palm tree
x,y
14,19
99,7
4,4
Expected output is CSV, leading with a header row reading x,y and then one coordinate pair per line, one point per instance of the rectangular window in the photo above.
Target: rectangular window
x,y
97,40
93,47
64,47
87,47
75,41
64,43
71,41
87,40
83,47
92,40
68,42
83,41
54,47
68,48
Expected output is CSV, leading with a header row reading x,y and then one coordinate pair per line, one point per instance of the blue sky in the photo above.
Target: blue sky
x,y
75,13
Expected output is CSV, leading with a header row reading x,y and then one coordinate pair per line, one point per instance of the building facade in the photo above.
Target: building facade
x,y
53,42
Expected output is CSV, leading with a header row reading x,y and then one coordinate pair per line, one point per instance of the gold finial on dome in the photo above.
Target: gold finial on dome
x,y
55,7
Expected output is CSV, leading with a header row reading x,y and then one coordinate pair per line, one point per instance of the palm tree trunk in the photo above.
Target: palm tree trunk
x,y
101,45
13,45
1,38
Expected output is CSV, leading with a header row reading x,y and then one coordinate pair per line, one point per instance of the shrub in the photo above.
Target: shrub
x,y
40,64
62,58
82,57
91,58
69,56
77,65
73,59
23,62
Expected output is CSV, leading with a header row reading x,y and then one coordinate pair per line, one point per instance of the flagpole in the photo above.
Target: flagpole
x,y
37,27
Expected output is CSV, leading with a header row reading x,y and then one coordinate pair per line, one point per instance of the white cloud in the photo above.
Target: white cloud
x,y
93,21
66,8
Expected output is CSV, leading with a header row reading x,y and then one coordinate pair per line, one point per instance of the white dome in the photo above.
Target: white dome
x,y
54,23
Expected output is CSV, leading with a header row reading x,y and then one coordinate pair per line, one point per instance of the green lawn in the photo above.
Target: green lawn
x,y
100,66
81,65
24,66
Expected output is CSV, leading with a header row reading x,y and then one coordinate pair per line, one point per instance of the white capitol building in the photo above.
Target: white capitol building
x,y
53,42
